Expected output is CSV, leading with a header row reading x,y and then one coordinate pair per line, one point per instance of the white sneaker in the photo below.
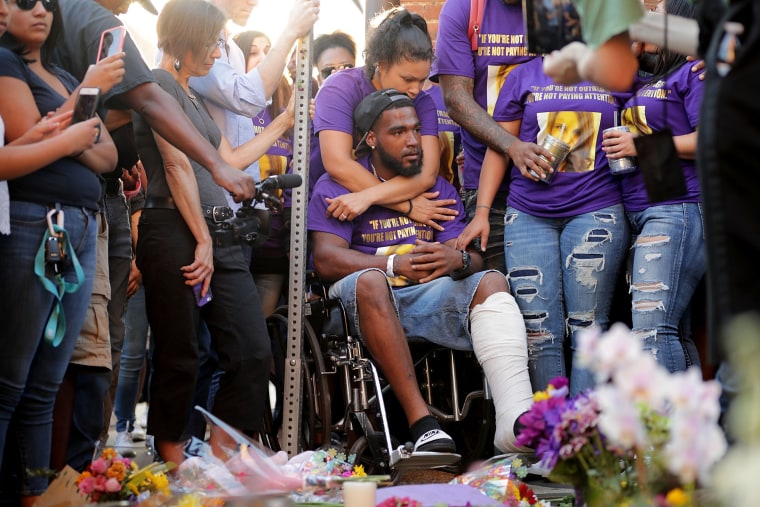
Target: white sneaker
x,y
123,439
435,441
138,432
141,414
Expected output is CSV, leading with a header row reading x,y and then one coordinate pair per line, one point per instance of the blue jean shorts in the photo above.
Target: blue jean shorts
x,y
437,311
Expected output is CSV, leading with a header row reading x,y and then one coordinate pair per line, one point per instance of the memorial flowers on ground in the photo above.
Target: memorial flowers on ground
x,y
114,477
642,435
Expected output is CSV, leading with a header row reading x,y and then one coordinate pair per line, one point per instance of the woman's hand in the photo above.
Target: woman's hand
x,y
49,126
479,227
528,156
426,209
105,74
347,206
618,144
82,136
202,268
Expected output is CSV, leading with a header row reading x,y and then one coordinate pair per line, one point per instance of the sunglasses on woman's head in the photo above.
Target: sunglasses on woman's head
x,y
328,70
28,5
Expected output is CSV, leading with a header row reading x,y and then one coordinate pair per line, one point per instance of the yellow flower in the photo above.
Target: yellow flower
x,y
160,482
359,471
677,498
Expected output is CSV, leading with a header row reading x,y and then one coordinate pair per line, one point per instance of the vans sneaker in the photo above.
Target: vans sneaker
x,y
435,441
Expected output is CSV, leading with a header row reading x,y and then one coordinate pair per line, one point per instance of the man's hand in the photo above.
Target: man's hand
x,y
239,184
434,260
105,74
302,17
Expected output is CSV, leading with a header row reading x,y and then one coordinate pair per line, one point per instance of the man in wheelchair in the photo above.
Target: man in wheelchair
x,y
399,280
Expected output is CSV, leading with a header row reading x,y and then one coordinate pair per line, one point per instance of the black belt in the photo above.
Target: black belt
x,y
160,202
113,186
216,214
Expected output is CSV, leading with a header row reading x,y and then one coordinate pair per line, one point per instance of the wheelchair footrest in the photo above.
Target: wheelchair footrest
x,y
402,458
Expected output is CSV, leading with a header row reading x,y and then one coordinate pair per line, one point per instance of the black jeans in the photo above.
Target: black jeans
x,y
234,319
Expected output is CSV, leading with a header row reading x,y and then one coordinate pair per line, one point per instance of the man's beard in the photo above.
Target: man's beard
x,y
397,166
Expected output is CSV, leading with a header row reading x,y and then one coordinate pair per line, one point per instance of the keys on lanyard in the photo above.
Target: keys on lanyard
x,y
55,252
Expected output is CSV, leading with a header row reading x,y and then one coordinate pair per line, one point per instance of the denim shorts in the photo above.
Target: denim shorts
x,y
437,311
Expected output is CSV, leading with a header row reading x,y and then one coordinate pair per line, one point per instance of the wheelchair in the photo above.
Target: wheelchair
x,y
346,404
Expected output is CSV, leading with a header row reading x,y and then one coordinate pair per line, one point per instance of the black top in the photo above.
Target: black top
x,y
84,21
66,180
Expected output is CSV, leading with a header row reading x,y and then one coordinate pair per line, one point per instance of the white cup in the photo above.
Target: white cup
x,y
359,493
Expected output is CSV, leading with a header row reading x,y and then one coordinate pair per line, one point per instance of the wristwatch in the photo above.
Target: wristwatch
x,y
465,262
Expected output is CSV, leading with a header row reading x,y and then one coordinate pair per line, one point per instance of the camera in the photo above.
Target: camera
x,y
251,224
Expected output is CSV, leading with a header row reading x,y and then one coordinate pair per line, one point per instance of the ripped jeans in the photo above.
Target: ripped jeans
x,y
668,263
562,273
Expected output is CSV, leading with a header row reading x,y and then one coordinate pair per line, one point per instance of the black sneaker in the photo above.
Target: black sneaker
x,y
435,441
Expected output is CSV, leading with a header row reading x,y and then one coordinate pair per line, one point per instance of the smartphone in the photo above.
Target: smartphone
x,y
201,300
111,42
86,104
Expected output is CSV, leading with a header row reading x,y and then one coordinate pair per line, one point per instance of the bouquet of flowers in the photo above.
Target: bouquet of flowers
x,y
113,477
642,435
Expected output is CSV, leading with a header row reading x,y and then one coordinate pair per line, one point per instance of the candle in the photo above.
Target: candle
x,y
359,493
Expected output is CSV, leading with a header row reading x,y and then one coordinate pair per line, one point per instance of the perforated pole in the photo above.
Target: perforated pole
x,y
298,255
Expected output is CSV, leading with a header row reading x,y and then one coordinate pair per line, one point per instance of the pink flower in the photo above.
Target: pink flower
x,y
99,466
87,485
112,485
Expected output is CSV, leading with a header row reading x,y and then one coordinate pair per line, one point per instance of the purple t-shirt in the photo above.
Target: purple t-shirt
x,y
646,113
379,230
448,131
334,110
577,115
501,46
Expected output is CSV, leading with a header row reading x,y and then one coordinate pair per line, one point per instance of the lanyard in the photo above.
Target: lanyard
x,y
52,279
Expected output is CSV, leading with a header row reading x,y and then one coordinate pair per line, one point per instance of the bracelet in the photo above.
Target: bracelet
x,y
411,206
483,206
389,266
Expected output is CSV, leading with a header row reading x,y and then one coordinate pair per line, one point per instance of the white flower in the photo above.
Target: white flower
x,y
603,354
619,419
643,380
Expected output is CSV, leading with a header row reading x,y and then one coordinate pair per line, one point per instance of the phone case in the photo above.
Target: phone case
x,y
201,300
86,104
111,42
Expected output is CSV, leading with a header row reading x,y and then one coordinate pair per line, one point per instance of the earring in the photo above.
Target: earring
x,y
177,64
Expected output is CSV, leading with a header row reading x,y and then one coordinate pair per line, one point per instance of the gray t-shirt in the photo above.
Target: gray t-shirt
x,y
211,194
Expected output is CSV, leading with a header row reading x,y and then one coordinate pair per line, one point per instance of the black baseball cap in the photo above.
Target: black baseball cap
x,y
372,106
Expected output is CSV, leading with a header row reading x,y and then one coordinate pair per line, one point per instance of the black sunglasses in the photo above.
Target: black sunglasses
x,y
28,5
327,71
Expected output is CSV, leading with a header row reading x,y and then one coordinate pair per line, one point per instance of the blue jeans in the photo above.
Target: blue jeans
x,y
132,360
668,263
31,369
437,311
562,273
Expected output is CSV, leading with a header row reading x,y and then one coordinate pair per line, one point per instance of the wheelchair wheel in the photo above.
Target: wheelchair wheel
x,y
315,394
374,465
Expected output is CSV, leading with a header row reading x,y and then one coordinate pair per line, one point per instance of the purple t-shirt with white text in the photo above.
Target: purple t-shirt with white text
x,y
577,115
672,102
501,46
334,110
379,230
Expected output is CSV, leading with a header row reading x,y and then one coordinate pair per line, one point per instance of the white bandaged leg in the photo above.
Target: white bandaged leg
x,y
501,346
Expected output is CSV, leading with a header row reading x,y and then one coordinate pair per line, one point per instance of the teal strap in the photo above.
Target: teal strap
x,y
57,285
